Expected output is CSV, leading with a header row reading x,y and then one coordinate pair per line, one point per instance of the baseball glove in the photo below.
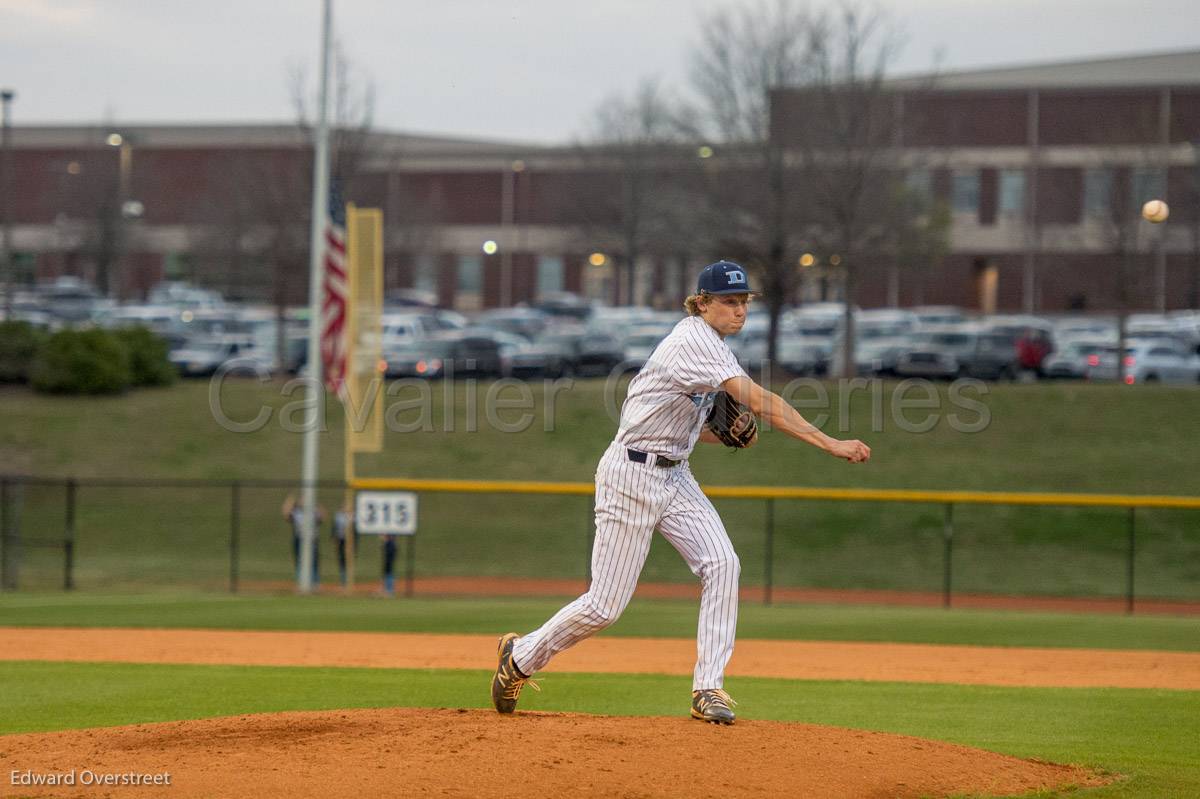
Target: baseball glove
x,y
732,422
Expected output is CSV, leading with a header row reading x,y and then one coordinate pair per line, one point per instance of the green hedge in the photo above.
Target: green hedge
x,y
148,359
19,343
82,362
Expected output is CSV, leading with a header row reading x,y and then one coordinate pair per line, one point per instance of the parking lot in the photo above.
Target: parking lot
x,y
567,336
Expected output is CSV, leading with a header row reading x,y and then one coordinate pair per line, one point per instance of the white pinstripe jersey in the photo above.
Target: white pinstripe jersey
x,y
670,397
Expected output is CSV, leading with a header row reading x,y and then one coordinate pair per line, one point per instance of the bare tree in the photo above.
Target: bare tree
x,y
275,191
637,149
849,148
1192,206
352,98
744,53
414,214
919,228
90,195
1116,183
1118,223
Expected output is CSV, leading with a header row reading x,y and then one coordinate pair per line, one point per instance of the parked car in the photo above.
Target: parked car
x,y
640,344
545,357
1074,358
1030,338
880,336
527,322
816,325
448,355
71,301
599,354
621,321
410,299
795,354
997,356
1148,361
1189,323
427,357
402,328
1147,326
940,352
938,315
565,306
201,357
184,295
1087,328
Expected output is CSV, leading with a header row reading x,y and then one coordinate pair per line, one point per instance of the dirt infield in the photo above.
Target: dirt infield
x,y
806,660
473,753
468,753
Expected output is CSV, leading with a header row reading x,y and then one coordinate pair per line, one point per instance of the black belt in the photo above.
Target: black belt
x,y
659,460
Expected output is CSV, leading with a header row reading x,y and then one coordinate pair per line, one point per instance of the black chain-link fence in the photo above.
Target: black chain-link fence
x,y
224,535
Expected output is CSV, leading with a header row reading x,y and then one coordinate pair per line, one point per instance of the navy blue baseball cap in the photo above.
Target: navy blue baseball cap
x,y
723,277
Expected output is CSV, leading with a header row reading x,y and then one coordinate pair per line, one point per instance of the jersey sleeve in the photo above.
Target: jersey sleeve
x,y
704,364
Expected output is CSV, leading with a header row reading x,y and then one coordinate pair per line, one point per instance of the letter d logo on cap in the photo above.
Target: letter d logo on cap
x,y
734,276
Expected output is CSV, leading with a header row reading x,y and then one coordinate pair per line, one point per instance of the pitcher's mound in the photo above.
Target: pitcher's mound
x,y
473,753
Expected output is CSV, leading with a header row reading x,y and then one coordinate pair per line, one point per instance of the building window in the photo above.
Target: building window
x,y
965,192
469,292
1097,191
1012,192
425,273
1148,184
470,274
549,274
919,183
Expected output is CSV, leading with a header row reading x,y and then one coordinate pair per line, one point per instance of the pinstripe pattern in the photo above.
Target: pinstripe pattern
x,y
662,415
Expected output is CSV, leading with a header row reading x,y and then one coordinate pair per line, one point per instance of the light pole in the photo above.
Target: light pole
x,y
127,208
507,218
6,98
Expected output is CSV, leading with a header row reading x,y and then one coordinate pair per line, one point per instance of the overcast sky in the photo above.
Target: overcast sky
x,y
528,70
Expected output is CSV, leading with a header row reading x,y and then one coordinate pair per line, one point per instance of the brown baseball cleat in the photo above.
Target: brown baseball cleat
x,y
508,680
712,705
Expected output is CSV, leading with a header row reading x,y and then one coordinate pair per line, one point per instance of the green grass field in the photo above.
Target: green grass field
x,y
1057,437
642,618
137,547
1147,735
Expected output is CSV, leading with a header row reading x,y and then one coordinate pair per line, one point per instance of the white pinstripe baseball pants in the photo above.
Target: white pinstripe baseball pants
x,y
632,499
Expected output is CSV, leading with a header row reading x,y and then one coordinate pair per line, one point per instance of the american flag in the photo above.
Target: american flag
x,y
333,304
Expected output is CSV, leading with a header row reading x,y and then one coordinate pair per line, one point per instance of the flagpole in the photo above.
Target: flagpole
x,y
315,388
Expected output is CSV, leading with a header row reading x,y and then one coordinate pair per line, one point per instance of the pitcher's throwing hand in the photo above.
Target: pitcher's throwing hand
x,y
854,451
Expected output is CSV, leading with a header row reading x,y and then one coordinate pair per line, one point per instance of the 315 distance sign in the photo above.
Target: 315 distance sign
x,y
385,512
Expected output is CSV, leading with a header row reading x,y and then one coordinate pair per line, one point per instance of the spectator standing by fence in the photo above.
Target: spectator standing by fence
x,y
343,523
293,513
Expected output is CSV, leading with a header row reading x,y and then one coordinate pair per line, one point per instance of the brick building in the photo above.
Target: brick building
x,y
1029,159
1044,169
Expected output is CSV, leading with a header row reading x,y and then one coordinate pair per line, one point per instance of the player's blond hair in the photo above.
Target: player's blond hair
x,y
692,304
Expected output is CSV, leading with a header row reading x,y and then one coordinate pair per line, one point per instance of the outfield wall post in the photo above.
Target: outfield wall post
x,y
947,554
69,538
235,512
769,553
6,581
3,533
410,565
1132,553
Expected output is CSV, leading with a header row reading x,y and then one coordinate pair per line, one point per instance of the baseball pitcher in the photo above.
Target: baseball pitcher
x,y
691,389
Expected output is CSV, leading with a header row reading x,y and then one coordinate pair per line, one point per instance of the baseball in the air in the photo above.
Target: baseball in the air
x,y
1155,211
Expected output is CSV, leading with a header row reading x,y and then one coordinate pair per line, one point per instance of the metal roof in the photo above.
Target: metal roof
x,y
1177,68
239,135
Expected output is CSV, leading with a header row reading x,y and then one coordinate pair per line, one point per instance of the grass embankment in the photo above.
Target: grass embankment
x,y
642,618
1057,437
